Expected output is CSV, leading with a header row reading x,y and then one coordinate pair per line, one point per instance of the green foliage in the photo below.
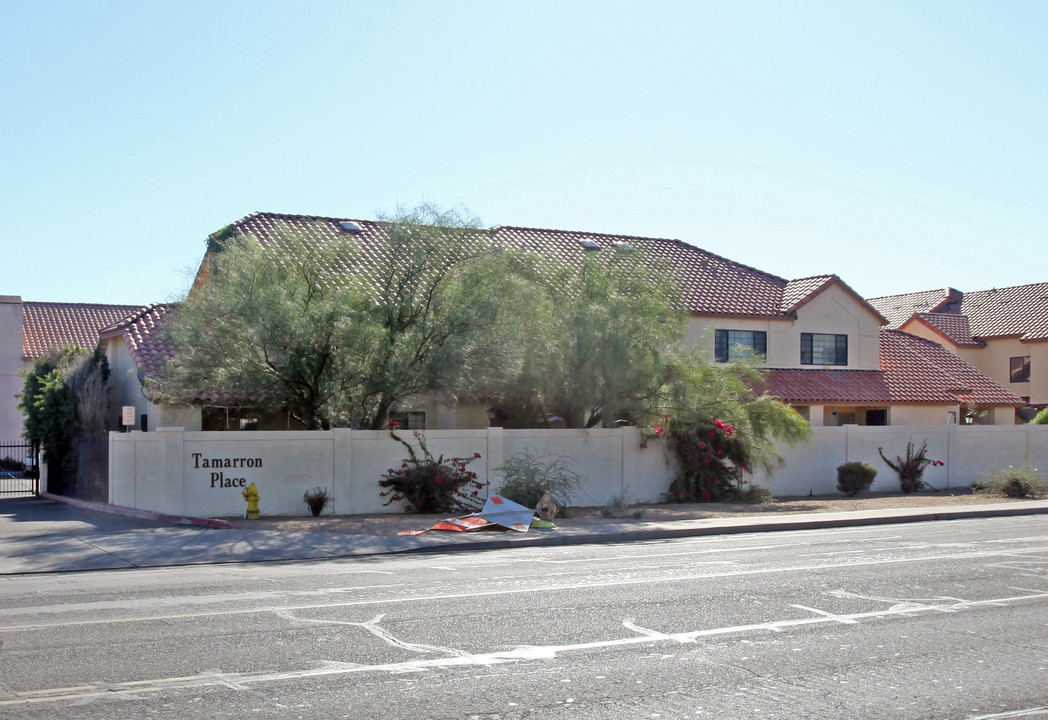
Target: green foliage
x,y
9,464
1024,482
720,429
431,484
754,495
528,475
855,477
584,342
63,395
911,468
619,507
316,499
1041,418
292,325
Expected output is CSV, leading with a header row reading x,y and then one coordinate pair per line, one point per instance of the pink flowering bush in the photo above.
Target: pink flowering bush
x,y
431,484
714,461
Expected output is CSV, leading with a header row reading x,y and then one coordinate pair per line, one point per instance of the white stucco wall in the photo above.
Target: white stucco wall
x,y
164,471
11,365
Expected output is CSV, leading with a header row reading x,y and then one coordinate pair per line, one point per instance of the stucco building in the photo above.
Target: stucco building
x,y
1002,332
831,354
30,331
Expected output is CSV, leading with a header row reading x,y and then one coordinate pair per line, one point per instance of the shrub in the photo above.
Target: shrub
x,y
528,475
9,464
431,484
911,468
1041,418
855,477
317,499
754,495
1013,482
713,462
619,507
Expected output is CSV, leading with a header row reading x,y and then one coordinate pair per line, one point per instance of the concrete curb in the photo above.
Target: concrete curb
x,y
607,534
141,514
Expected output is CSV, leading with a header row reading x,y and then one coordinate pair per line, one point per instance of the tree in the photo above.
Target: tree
x,y
64,395
586,341
721,427
338,332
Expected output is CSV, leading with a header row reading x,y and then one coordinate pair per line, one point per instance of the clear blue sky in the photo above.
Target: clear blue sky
x,y
900,145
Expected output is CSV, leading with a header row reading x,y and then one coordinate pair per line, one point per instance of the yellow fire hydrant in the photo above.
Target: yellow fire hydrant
x,y
250,494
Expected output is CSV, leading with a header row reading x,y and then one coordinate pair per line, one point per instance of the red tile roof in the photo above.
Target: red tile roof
x,y
141,331
951,326
922,371
53,326
712,285
900,308
1019,311
814,386
913,371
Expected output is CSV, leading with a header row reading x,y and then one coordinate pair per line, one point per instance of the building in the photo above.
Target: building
x,y
826,348
30,331
1003,332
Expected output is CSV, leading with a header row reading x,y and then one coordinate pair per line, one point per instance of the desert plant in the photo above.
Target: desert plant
x,y
855,477
431,484
754,495
317,499
1013,482
911,468
528,475
619,507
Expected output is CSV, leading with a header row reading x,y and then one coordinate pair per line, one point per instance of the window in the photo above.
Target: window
x,y
824,349
1020,369
731,345
411,420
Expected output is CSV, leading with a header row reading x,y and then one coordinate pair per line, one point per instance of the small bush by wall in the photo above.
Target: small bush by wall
x,y
855,477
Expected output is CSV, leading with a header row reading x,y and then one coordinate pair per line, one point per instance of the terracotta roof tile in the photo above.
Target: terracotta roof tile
x,y
913,371
952,326
1019,311
53,326
142,331
900,308
802,387
711,284
921,371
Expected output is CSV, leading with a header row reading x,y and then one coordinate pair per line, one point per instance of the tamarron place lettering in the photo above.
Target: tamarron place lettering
x,y
219,479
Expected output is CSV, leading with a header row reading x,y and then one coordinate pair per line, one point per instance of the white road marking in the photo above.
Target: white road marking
x,y
328,668
522,591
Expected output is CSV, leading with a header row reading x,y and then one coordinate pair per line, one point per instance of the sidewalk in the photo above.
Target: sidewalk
x,y
40,535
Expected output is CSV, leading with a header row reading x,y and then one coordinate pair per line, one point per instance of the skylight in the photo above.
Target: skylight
x,y
589,245
351,226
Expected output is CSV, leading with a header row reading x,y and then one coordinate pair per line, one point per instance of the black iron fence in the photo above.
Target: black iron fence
x,y
19,469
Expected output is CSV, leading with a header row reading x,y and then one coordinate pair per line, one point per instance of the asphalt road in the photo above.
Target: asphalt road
x,y
931,620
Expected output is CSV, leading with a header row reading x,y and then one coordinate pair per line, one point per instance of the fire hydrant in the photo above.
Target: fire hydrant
x,y
250,494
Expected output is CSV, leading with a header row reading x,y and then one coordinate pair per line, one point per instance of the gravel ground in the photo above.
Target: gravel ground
x,y
391,524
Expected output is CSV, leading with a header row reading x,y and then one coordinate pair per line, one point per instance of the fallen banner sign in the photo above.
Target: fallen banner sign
x,y
498,513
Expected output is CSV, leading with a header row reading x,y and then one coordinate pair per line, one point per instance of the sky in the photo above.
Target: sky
x,y
902,146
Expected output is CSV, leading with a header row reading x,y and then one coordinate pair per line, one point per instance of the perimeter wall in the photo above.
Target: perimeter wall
x,y
202,474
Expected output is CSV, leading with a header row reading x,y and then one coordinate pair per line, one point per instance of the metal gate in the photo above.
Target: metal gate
x,y
19,474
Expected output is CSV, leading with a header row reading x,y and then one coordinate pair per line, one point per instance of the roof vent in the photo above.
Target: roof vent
x,y
351,227
589,244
